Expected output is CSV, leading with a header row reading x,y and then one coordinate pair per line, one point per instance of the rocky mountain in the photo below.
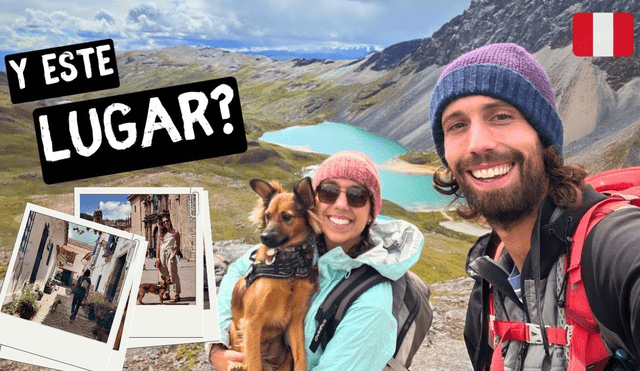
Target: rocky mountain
x,y
541,23
593,94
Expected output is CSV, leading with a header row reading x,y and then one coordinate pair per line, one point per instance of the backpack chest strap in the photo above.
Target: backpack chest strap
x,y
284,265
525,332
528,332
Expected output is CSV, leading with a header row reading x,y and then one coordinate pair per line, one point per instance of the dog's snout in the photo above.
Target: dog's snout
x,y
269,239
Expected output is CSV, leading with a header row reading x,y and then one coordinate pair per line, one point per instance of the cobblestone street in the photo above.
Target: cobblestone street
x,y
60,317
187,274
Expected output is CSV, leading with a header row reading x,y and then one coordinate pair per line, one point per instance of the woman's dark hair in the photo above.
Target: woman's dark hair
x,y
566,183
87,273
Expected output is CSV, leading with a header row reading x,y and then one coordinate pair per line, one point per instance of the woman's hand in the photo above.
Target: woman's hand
x,y
220,357
158,264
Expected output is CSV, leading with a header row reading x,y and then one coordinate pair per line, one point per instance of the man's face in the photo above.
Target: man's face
x,y
496,157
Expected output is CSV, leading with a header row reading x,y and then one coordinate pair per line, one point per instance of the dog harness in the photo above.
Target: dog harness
x,y
281,263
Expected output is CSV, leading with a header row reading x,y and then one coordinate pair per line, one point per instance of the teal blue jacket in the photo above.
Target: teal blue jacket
x,y
366,337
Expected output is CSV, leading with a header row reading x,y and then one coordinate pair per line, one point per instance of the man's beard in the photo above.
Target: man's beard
x,y
506,206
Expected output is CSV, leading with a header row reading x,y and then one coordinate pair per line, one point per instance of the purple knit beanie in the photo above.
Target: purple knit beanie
x,y
352,165
506,72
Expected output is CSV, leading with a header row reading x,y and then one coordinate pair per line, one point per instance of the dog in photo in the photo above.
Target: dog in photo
x,y
271,301
157,289
54,305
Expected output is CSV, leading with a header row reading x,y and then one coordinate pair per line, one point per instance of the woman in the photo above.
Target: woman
x,y
167,247
348,200
80,291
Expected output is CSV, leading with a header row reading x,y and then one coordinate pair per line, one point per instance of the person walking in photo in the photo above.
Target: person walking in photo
x,y
80,291
497,131
166,261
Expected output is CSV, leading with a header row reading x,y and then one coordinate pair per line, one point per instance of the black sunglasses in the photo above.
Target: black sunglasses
x,y
356,196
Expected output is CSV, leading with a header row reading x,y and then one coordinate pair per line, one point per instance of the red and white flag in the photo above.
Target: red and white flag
x,y
603,34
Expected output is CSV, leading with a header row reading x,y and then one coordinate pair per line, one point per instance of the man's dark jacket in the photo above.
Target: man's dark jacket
x,y
610,271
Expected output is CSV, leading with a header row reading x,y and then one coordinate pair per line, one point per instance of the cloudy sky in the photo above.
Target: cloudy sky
x,y
113,206
340,28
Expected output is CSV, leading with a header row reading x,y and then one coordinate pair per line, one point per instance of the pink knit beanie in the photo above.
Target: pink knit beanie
x,y
352,165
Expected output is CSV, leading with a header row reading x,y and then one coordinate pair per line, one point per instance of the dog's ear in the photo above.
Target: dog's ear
x,y
266,192
263,189
304,191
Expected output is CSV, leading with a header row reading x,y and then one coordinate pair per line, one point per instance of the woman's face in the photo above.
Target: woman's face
x,y
341,223
166,223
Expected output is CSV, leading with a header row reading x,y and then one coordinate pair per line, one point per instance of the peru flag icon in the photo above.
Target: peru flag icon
x,y
603,34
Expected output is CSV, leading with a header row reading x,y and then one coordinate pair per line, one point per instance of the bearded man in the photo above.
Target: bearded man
x,y
496,128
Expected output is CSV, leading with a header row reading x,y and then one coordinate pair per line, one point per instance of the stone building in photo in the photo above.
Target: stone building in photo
x,y
108,264
123,225
148,210
72,260
37,255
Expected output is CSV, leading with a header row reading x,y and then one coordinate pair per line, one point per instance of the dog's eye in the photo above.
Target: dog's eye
x,y
287,217
267,217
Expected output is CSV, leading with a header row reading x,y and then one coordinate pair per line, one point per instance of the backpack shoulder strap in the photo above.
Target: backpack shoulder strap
x,y
332,311
586,347
414,316
585,330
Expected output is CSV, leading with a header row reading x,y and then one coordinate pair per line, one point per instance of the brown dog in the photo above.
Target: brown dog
x,y
158,289
54,306
265,308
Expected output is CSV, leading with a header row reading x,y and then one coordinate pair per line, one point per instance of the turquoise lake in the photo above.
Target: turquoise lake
x,y
412,192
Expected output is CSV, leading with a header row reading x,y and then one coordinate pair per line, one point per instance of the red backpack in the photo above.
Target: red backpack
x,y
587,350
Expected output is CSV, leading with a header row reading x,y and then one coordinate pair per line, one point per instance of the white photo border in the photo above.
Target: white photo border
x,y
151,326
55,344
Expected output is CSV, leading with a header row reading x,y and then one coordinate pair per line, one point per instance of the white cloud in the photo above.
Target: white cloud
x,y
105,15
284,24
138,27
19,41
180,20
113,210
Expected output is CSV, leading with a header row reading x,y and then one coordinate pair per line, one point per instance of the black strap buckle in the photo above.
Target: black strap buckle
x,y
283,265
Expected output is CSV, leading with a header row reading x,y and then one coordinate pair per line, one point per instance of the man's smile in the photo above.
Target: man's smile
x,y
492,172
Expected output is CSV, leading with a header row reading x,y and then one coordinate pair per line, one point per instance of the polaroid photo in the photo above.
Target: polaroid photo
x,y
116,361
33,359
210,316
169,296
65,295
211,331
